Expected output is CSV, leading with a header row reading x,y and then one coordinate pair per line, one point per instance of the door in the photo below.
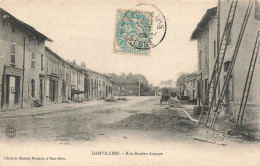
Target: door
x,y
63,91
56,91
11,91
229,95
17,90
41,90
51,91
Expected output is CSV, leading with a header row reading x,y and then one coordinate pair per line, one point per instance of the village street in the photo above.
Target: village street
x,y
107,126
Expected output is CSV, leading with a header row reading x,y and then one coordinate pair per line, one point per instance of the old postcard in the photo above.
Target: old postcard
x,y
130,83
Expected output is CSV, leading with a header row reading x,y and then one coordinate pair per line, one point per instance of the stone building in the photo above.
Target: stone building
x,y
92,85
97,86
57,78
126,89
206,36
47,77
21,47
191,87
77,82
109,88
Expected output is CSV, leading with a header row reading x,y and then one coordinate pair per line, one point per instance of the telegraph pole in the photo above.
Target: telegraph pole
x,y
218,28
24,38
139,88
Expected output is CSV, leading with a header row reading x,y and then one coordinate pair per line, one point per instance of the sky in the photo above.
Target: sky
x,y
83,30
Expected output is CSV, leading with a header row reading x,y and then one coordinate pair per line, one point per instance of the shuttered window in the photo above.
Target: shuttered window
x,y
41,62
257,10
33,88
200,59
13,52
229,40
47,66
33,60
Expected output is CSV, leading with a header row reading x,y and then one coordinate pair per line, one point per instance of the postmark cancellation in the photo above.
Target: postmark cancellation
x,y
133,32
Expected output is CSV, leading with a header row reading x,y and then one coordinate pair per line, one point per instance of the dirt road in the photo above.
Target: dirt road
x,y
139,124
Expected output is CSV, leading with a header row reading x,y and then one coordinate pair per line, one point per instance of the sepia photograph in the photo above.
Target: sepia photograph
x,y
130,82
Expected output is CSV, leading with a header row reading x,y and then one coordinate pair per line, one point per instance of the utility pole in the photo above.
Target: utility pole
x,y
218,28
23,68
218,33
139,88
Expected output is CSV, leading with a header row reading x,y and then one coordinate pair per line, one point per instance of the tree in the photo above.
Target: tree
x,y
146,88
181,79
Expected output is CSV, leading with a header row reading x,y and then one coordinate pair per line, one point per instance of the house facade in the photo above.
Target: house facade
x,y
191,87
206,36
93,84
30,71
109,88
126,89
57,78
77,82
21,66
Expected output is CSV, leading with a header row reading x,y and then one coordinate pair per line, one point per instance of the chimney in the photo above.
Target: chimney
x,y
74,62
83,64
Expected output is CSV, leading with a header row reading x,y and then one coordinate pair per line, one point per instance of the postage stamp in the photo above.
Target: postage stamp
x,y
133,32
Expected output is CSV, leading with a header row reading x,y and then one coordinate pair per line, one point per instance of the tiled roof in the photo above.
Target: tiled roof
x,y
203,22
28,27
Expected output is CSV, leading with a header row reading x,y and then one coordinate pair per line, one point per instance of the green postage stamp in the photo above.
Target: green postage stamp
x,y
133,32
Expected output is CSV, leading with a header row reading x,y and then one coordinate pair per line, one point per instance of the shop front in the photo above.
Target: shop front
x,y
11,87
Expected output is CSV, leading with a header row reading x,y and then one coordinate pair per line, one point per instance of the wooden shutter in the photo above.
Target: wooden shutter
x,y
13,51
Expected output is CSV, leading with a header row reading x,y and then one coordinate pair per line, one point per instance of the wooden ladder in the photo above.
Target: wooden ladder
x,y
249,78
232,63
211,91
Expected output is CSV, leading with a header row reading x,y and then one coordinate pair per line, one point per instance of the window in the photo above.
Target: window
x,y
206,54
41,62
61,69
200,54
206,85
47,66
226,66
215,49
67,79
51,66
73,77
79,77
226,34
32,88
33,60
257,10
13,51
56,67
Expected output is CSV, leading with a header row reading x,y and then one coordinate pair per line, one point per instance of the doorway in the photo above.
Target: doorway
x,y
229,95
41,90
13,90
63,91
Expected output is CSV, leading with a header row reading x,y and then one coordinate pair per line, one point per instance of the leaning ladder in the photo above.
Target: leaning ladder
x,y
211,91
232,63
249,78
